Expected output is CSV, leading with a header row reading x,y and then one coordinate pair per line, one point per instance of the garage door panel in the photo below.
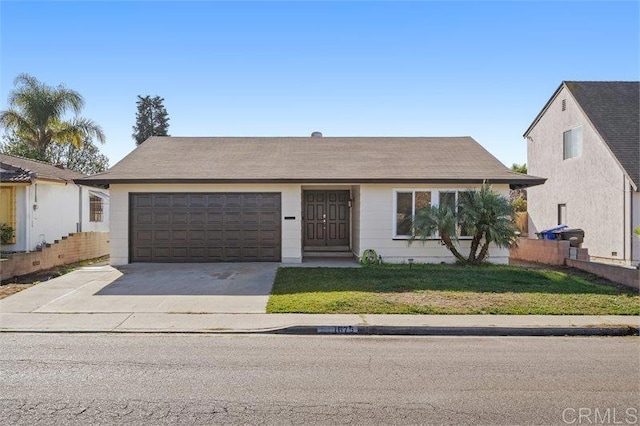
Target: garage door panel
x,y
143,218
179,217
161,218
214,217
269,253
232,253
180,200
205,227
161,200
197,217
269,218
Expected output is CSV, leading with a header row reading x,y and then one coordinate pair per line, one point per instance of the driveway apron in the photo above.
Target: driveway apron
x,y
156,288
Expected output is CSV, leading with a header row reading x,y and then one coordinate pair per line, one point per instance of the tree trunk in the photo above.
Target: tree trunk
x,y
449,244
474,246
483,251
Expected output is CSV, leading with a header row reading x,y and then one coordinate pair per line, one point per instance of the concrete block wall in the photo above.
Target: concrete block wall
x,y
623,275
549,252
74,248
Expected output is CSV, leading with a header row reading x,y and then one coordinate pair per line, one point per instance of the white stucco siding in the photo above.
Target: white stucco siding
x,y
592,185
87,224
377,220
291,202
55,212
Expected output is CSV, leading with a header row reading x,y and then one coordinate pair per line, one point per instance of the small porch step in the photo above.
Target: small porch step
x,y
327,254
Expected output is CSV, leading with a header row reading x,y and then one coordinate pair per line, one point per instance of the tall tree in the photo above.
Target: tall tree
x,y
37,115
520,168
518,197
86,159
152,118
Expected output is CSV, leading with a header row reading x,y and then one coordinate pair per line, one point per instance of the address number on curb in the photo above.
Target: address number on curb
x,y
338,330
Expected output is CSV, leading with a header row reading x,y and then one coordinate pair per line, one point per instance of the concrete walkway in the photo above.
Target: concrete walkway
x,y
231,298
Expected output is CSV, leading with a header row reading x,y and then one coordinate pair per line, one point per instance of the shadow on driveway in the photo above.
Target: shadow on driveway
x,y
193,279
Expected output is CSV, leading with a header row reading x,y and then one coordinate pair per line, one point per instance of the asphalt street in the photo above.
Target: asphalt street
x,y
213,379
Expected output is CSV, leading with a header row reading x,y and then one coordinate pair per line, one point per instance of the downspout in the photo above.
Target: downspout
x,y
624,222
79,227
631,222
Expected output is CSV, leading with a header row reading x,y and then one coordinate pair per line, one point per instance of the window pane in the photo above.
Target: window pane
x,y
576,136
423,199
404,205
95,209
448,199
572,143
462,197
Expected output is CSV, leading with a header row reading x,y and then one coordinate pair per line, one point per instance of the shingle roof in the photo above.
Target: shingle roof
x,y
15,176
310,159
614,109
37,169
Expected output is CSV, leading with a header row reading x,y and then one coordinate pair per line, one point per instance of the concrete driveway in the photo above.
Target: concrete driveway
x,y
156,288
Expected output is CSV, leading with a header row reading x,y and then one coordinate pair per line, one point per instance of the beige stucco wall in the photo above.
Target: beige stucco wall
x,y
355,220
372,219
376,228
119,214
593,185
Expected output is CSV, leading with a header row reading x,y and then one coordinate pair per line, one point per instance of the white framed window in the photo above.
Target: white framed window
x,y
95,209
572,143
406,202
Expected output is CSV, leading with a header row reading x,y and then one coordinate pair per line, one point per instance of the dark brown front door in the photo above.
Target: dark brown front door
x,y
326,220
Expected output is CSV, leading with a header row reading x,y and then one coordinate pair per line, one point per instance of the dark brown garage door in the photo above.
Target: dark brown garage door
x,y
205,227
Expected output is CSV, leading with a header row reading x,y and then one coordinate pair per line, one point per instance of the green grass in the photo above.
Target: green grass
x,y
446,289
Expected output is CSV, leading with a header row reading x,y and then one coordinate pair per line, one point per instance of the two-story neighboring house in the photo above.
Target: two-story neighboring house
x,y
586,142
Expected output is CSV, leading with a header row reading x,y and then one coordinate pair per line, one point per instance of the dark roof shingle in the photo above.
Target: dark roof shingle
x,y
37,169
614,109
310,159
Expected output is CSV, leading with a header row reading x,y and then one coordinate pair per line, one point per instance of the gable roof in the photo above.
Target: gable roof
x,y
613,107
19,169
310,159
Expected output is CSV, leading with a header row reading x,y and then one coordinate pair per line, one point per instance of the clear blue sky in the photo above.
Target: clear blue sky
x,y
483,69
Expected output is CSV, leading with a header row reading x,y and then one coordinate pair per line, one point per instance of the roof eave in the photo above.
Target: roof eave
x,y
513,183
544,109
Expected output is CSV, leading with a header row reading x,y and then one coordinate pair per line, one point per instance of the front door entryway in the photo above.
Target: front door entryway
x,y
326,220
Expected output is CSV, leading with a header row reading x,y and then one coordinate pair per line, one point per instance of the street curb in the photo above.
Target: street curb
x,y
366,330
458,331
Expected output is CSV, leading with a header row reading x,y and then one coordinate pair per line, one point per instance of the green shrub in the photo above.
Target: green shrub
x,y
6,233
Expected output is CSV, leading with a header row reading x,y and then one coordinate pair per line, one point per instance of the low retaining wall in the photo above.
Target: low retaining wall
x,y
71,249
541,251
619,274
550,252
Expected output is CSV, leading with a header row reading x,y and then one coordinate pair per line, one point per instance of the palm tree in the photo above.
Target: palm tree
x,y
485,215
441,220
489,218
36,115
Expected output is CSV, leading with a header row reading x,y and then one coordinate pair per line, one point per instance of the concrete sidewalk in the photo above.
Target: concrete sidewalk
x,y
320,324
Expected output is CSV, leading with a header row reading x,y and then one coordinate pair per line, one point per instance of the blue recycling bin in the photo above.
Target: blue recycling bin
x,y
552,233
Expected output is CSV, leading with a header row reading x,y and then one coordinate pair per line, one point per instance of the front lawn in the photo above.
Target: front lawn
x,y
445,289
